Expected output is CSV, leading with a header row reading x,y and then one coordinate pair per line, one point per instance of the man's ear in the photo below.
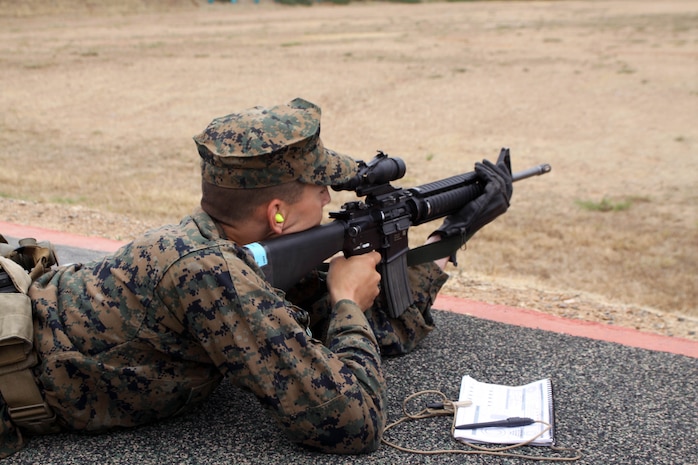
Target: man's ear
x,y
276,210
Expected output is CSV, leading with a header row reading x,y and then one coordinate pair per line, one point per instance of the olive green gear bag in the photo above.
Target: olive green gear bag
x,y
18,268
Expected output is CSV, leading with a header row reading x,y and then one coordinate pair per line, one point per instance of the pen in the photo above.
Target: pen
x,y
512,422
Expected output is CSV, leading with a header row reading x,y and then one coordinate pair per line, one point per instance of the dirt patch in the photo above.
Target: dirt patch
x,y
100,103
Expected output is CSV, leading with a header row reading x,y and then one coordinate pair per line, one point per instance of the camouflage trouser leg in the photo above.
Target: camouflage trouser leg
x,y
11,439
395,335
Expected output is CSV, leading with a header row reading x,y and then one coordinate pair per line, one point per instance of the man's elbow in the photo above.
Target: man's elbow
x,y
342,426
358,436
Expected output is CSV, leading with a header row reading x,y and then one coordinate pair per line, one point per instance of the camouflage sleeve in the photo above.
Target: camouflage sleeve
x,y
353,422
328,397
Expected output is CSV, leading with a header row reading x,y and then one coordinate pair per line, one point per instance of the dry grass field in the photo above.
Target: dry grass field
x,y
98,105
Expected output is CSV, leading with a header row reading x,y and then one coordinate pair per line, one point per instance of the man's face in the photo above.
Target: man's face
x,y
307,212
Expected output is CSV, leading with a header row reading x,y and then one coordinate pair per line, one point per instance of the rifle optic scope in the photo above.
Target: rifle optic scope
x,y
380,170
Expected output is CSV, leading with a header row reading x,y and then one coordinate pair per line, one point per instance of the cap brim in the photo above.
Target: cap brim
x,y
331,168
347,167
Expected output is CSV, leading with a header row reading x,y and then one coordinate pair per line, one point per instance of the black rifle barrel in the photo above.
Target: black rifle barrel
x,y
534,171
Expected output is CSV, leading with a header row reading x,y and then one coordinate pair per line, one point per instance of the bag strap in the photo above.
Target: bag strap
x,y
25,403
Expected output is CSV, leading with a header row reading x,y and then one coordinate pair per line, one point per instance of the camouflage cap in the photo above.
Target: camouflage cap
x,y
262,147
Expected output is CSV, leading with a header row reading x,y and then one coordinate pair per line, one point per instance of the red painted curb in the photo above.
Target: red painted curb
x,y
500,313
539,320
58,237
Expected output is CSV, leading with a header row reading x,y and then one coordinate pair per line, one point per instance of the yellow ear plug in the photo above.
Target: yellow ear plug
x,y
279,218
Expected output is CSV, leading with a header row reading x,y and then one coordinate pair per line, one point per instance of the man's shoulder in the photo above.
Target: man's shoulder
x,y
169,242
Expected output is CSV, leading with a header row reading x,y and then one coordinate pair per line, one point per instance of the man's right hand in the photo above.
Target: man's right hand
x,y
355,278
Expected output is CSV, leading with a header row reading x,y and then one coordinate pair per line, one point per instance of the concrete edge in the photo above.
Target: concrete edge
x,y
500,313
589,329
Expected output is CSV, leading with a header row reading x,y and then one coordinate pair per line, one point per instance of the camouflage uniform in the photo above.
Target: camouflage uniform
x,y
150,331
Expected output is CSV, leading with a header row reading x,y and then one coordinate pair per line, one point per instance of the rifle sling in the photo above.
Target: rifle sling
x,y
434,251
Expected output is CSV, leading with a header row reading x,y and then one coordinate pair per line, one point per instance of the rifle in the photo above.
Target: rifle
x,y
381,223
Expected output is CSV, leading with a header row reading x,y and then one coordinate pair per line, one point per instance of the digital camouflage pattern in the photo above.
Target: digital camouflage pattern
x,y
151,330
263,147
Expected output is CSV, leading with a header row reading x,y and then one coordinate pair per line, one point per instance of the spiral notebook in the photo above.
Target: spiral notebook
x,y
493,402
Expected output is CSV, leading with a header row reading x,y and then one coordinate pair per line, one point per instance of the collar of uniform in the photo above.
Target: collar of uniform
x,y
207,226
